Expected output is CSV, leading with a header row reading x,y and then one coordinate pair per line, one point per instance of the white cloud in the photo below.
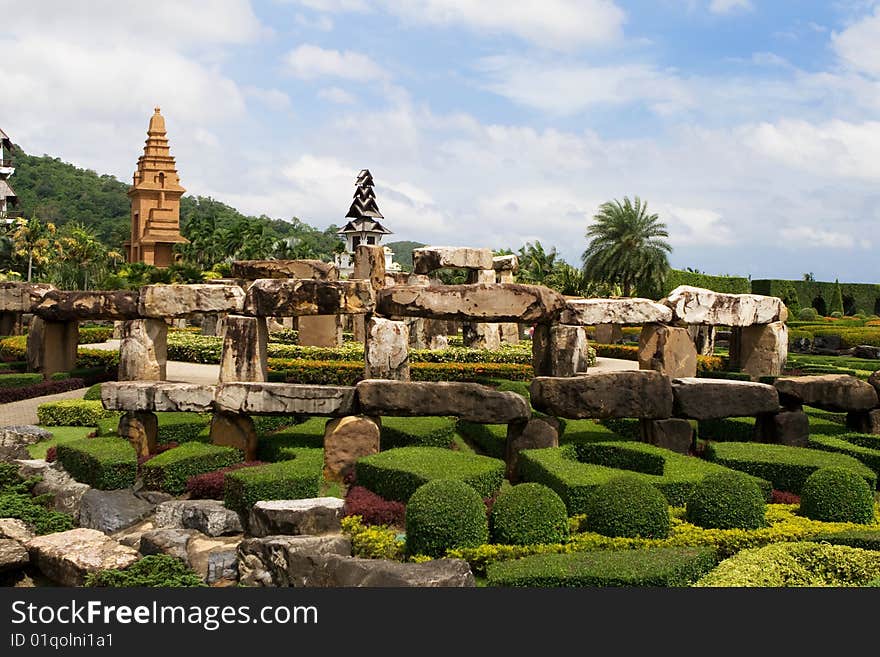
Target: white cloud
x,y
309,62
571,88
552,24
274,99
816,237
859,44
728,6
696,226
337,95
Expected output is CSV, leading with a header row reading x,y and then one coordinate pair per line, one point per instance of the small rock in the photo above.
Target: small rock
x,y
15,529
67,557
13,555
14,440
111,510
320,515
288,560
66,491
172,542
207,516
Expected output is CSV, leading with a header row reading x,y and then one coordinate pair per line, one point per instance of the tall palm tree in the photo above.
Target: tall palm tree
x,y
32,238
627,247
536,263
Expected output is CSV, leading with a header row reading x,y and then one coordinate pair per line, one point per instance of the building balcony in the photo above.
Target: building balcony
x,y
8,217
6,163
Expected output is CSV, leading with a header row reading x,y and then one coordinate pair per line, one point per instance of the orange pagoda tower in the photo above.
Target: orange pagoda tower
x,y
155,201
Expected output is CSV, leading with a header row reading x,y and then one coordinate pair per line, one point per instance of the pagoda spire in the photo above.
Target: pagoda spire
x,y
364,205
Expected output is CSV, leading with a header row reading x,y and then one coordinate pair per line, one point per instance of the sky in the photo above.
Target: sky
x,y
751,127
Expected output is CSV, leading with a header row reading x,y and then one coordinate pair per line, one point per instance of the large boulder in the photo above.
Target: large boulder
x,y
352,571
386,349
112,510
288,560
172,542
213,559
589,312
67,557
505,263
559,350
251,270
269,297
668,350
537,433
244,353
694,305
709,399
320,515
180,301
431,258
838,393
210,517
14,440
488,302
235,430
791,428
65,305
760,350
157,396
18,297
674,434
66,492
469,401
143,350
13,555
369,264
286,398
346,439
641,394
15,529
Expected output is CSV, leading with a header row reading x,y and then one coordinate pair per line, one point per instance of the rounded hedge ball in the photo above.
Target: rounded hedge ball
x,y
726,500
528,514
630,507
837,495
444,514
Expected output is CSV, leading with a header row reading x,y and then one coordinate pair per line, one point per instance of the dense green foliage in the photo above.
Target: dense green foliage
x,y
107,463
866,539
16,502
169,470
796,564
576,469
856,297
490,439
73,413
628,506
728,284
402,250
444,514
17,380
647,567
284,445
786,467
726,500
297,478
417,432
864,447
527,514
837,495
154,571
396,474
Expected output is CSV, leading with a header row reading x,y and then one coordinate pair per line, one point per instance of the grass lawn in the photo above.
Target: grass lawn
x,y
59,435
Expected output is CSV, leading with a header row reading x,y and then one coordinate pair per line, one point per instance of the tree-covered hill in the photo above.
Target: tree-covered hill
x,y
403,252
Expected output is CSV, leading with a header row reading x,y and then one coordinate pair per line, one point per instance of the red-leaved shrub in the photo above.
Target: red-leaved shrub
x,y
374,510
51,454
39,389
209,486
784,497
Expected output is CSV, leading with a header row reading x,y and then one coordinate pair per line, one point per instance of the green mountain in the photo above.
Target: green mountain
x,y
403,252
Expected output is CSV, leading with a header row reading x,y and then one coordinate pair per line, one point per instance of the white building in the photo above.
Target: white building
x,y
8,199
363,226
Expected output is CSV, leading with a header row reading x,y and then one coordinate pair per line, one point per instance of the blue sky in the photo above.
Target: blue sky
x,y
752,127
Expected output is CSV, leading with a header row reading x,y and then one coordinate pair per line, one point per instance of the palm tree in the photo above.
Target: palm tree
x,y
627,247
32,238
535,263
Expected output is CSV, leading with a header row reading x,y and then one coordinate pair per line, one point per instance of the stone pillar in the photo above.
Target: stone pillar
x,y
210,324
759,350
117,329
244,350
481,335
675,433
864,421
235,430
789,427
320,331
179,323
143,350
346,439
387,350
559,350
141,429
607,334
10,323
51,346
537,433
509,331
369,263
667,349
703,337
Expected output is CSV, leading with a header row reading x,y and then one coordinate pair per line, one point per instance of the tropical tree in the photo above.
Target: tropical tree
x,y
82,257
536,263
32,239
627,246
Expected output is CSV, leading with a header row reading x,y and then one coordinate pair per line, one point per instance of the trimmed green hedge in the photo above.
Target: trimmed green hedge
x,y
593,431
528,514
866,539
796,564
575,470
491,439
735,429
644,567
864,296
397,473
169,470
417,432
283,445
298,478
444,514
837,495
629,507
106,463
786,467
727,500
94,334
174,427
73,413
348,373
846,444
18,380
729,284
